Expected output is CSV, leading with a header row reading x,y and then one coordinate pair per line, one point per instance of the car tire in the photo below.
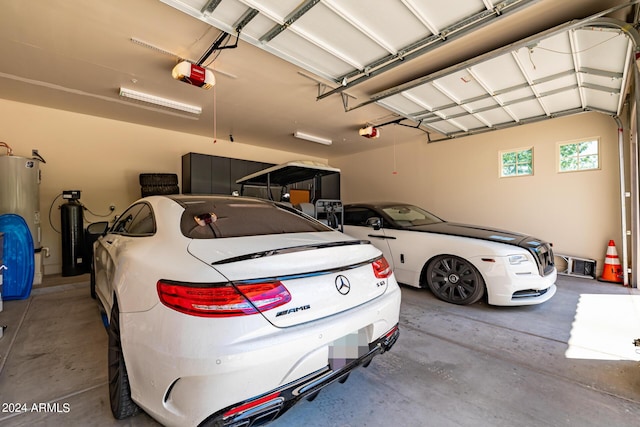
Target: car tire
x,y
162,179
119,389
454,280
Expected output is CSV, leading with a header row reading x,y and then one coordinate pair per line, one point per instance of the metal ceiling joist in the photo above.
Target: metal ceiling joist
x,y
210,6
606,89
341,42
578,66
356,23
602,73
426,21
289,20
245,19
608,22
428,44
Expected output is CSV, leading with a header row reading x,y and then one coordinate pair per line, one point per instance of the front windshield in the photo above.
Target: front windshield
x,y
409,216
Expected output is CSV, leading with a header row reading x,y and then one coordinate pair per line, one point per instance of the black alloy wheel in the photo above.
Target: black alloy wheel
x,y
119,390
454,280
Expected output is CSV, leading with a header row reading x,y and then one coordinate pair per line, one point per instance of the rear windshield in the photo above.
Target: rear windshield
x,y
238,217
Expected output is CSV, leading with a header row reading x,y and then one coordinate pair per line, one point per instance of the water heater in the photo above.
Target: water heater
x,y
20,192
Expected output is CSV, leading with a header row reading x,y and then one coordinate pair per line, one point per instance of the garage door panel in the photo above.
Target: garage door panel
x,y
495,116
526,109
562,101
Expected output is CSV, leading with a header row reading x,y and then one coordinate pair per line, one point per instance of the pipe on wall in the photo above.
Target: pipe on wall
x,y
623,205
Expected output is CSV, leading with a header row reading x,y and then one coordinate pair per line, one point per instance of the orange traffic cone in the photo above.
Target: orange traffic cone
x,y
612,271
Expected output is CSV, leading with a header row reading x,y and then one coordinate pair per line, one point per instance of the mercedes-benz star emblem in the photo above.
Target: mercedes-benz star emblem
x,y
342,285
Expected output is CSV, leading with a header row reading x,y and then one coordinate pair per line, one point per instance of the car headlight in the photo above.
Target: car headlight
x,y
518,259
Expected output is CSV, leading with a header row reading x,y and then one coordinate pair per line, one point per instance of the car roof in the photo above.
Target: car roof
x,y
376,204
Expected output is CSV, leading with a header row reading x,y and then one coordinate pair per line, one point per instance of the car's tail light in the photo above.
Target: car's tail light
x,y
381,268
268,400
222,300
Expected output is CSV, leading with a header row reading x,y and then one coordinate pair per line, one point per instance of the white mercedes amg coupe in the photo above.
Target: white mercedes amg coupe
x,y
226,311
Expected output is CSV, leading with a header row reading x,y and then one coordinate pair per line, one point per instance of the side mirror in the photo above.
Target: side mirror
x,y
374,222
98,228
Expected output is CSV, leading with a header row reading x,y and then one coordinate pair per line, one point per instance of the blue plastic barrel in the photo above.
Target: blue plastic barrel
x,y
18,257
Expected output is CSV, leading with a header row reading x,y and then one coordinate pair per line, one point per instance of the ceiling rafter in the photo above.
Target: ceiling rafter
x,y
476,112
576,64
367,49
363,28
428,44
532,85
289,20
425,21
546,82
210,6
597,19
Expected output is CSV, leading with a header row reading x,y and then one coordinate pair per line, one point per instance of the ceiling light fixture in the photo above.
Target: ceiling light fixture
x,y
164,102
312,138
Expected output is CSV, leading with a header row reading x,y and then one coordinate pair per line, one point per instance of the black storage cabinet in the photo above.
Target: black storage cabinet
x,y
206,174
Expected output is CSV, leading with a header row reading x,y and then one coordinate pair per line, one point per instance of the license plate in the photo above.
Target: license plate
x,y
347,349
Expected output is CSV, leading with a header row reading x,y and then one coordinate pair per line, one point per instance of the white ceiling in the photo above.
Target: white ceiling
x,y
324,67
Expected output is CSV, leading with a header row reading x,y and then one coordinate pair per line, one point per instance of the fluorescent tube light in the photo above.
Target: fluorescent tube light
x,y
312,138
164,102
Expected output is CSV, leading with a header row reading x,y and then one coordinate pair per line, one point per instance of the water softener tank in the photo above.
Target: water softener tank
x,y
72,238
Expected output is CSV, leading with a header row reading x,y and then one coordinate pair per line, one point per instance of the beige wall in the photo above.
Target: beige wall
x,y
459,181
103,159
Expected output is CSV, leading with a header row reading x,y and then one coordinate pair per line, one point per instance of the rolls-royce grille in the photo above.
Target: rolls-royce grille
x,y
543,254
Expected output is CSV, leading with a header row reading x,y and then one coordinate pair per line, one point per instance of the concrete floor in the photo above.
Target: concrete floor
x,y
568,362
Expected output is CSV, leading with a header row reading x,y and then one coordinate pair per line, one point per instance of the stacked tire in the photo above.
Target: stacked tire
x,y
158,183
